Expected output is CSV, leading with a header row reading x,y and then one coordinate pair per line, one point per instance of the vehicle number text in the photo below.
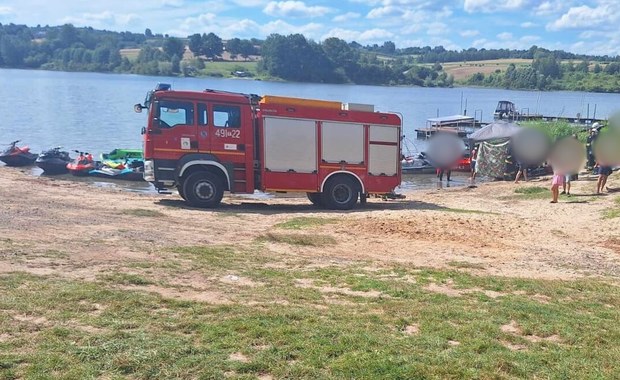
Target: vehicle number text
x,y
232,133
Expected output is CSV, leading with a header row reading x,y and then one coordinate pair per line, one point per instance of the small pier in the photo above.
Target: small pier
x,y
460,125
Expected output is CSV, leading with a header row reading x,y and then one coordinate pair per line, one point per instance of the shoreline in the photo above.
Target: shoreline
x,y
278,80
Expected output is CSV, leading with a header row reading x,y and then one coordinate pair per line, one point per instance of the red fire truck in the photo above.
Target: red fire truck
x,y
207,142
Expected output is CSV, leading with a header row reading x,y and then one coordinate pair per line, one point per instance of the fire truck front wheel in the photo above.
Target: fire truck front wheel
x,y
340,193
315,198
203,189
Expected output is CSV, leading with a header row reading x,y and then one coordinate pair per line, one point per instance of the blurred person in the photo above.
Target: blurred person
x,y
522,170
603,172
473,157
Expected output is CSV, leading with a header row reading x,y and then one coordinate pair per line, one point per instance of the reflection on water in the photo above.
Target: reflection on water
x,y
430,181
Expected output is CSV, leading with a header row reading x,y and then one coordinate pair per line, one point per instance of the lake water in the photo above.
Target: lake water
x,y
94,112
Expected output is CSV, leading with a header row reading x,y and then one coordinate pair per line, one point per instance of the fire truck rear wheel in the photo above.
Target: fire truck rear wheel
x,y
203,189
315,198
340,193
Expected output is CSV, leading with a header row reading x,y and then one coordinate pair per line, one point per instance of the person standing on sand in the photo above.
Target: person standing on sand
x,y
558,179
603,173
589,146
522,170
569,177
473,157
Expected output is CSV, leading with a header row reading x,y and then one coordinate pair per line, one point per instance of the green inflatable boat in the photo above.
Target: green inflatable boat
x,y
122,154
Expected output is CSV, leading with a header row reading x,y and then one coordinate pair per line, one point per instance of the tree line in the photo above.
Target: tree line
x,y
295,58
549,71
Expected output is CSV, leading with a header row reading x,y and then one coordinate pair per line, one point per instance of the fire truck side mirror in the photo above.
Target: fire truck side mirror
x,y
138,108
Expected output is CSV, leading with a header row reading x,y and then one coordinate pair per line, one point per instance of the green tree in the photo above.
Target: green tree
x,y
233,46
68,36
176,64
12,50
195,44
148,33
173,46
212,45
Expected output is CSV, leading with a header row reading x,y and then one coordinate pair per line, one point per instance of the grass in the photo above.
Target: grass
x,y
96,330
304,222
313,240
224,69
532,192
465,265
125,279
143,213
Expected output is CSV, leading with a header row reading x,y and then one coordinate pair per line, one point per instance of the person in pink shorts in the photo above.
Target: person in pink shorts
x,y
556,182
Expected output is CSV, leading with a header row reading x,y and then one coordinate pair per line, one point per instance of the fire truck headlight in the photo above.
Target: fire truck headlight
x,y
149,171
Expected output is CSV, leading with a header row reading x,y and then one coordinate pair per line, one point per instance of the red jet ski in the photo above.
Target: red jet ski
x,y
16,156
82,164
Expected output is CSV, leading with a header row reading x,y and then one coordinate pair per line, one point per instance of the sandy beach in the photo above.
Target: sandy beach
x,y
488,230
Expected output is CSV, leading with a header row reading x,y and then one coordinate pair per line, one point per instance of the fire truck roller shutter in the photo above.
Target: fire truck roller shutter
x,y
383,152
342,142
290,145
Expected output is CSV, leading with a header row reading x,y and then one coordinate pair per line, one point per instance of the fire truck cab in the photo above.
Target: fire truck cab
x,y
207,142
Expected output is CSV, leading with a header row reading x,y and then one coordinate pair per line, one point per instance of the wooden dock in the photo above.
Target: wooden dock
x,y
461,125
571,120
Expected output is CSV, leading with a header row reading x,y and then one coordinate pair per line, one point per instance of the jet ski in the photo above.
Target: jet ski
x,y
82,164
17,156
54,161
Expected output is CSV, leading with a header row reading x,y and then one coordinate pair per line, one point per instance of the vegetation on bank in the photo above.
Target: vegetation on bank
x,y
295,58
338,321
556,130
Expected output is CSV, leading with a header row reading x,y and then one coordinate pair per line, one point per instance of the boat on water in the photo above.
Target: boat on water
x,y
122,154
17,156
54,161
420,165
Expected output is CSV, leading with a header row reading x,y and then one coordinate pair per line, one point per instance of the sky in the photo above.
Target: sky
x,y
587,26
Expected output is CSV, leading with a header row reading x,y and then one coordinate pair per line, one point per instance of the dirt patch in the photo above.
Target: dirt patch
x,y
208,296
32,319
513,346
411,330
309,284
232,279
513,328
238,357
448,290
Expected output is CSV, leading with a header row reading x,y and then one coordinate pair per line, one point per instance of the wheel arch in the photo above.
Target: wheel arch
x,y
205,165
339,173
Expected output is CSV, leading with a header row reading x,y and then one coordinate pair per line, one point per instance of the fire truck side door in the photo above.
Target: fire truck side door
x,y
227,134
173,129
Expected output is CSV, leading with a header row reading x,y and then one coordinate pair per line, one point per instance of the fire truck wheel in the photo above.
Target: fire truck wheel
x,y
315,198
181,193
203,189
340,193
